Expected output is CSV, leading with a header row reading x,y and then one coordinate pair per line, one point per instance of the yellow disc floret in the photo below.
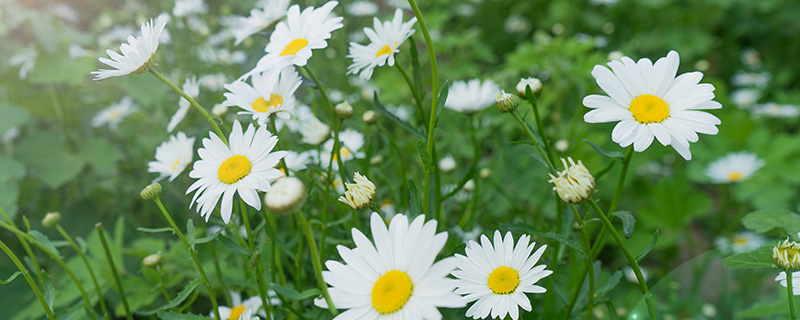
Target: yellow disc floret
x,y
234,169
503,280
648,108
787,256
735,176
262,105
236,313
294,46
391,292
385,50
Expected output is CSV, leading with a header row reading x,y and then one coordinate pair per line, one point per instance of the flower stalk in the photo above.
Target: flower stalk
x,y
114,272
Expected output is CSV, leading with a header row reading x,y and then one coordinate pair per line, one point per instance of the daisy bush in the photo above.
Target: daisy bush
x,y
395,159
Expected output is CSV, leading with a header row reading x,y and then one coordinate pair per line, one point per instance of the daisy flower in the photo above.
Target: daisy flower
x,y
774,110
114,113
271,93
293,39
250,306
138,55
741,242
189,7
472,96
649,102
781,279
246,167
296,161
350,146
172,157
192,88
259,19
362,9
385,38
744,98
499,275
734,167
395,277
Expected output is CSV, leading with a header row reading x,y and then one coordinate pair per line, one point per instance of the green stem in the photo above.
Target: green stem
x,y
28,278
417,98
276,264
117,282
315,259
589,265
599,243
466,218
192,102
88,267
262,290
218,270
274,129
540,128
25,246
790,291
161,284
192,253
535,142
648,297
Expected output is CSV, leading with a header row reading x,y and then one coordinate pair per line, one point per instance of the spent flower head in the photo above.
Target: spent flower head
x,y
786,256
359,195
575,184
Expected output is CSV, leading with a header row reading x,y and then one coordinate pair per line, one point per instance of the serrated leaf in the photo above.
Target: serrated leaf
x,y
628,222
12,116
414,205
155,230
765,220
757,258
11,278
610,154
649,246
292,294
41,238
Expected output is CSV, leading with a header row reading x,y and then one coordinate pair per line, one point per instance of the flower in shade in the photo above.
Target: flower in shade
x,y
385,39
192,88
499,275
360,194
395,277
293,39
272,92
471,96
246,167
740,242
172,157
649,102
259,19
734,167
138,55
114,113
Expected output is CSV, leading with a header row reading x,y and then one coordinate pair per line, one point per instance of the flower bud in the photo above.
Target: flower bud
x,y
151,191
286,196
485,173
359,195
575,183
786,256
376,159
51,219
219,110
507,102
534,83
370,117
152,260
447,163
561,145
344,110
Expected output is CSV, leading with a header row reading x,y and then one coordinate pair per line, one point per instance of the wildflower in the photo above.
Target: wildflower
x,y
51,219
787,256
734,167
343,110
781,279
192,88
498,276
575,183
246,167
472,96
25,60
114,113
286,196
151,191
219,110
359,195
172,157
259,19
349,149
650,102
271,93
533,83
485,173
385,39
774,110
250,305
741,242
506,102
296,161
369,117
138,55
362,9
744,79
213,82
395,276
745,98
447,164
189,7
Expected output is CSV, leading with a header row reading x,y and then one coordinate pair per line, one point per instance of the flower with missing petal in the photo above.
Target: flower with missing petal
x,y
138,55
172,157
385,39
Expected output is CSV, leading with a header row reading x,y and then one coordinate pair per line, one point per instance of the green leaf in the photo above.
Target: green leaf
x,y
190,232
100,155
46,34
757,258
763,221
60,69
41,238
183,294
470,174
233,245
292,294
628,222
415,66
209,238
649,246
9,195
10,169
414,205
169,315
610,154
11,278
394,118
12,116
424,155
49,290
144,88
442,98
611,284
155,230
612,311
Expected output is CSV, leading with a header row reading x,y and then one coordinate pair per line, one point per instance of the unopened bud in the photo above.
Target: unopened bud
x,y
533,83
51,219
344,110
376,160
485,173
507,102
152,260
151,191
370,117
219,110
286,196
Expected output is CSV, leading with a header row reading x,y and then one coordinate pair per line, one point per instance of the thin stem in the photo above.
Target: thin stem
x,y
540,127
648,297
465,219
790,291
589,264
161,284
315,259
117,282
28,278
276,264
336,152
262,290
417,98
88,267
192,102
218,270
192,253
599,243
25,246
274,129
535,141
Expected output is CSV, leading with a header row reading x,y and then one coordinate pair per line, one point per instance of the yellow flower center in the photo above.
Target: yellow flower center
x,y
262,105
175,165
391,292
344,152
740,240
294,46
735,176
384,50
114,114
503,280
236,313
234,169
648,108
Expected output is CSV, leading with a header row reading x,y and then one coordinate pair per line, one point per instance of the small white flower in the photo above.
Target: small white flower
x,y
271,93
745,98
219,110
781,278
138,55
774,110
744,79
114,113
252,305
740,242
286,196
192,88
362,8
751,58
531,82
385,39
360,194
189,7
260,18
447,164
734,167
213,82
349,148
472,96
172,157
25,60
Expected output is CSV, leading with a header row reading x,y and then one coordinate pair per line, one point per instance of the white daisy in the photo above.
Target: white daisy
x,y
650,102
385,39
471,96
350,148
295,161
246,167
114,113
293,39
259,19
499,275
250,306
213,82
744,98
247,315
138,55
25,60
172,157
189,7
734,167
774,110
362,8
192,88
740,242
394,278
272,92
743,79
781,278
447,163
